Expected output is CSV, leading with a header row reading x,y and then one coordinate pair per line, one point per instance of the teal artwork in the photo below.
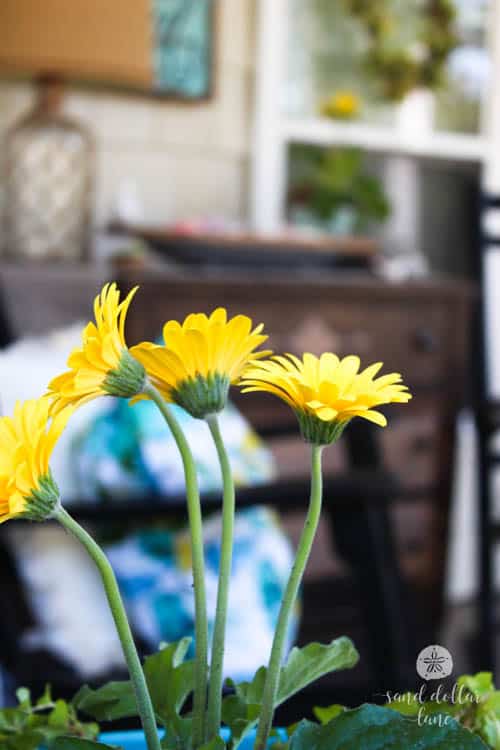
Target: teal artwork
x,y
183,47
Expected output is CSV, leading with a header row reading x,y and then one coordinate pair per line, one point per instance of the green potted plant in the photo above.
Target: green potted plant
x,y
330,189
195,366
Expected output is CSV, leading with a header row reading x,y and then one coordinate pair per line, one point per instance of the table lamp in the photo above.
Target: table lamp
x,y
49,156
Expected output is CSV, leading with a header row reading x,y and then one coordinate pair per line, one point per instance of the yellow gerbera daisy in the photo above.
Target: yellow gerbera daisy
x,y
103,366
326,392
200,359
26,443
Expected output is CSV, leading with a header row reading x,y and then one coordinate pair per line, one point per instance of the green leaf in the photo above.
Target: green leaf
x,y
115,700
324,715
13,719
74,743
376,728
480,684
239,716
46,698
304,666
179,735
24,741
23,695
59,716
490,732
308,664
216,744
170,679
489,706
407,704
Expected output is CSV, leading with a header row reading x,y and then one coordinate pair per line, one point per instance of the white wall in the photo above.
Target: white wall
x,y
186,159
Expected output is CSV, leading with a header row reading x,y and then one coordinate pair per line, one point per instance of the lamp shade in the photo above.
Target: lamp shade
x,y
103,40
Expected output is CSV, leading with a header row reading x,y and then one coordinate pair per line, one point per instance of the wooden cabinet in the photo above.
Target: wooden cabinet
x,y
421,329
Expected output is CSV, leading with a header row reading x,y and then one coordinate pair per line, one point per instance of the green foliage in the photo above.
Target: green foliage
x,y
170,681
466,718
71,743
328,180
377,728
394,64
473,702
31,725
324,715
304,666
115,700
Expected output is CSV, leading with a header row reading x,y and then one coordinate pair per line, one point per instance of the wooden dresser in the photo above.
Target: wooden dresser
x,y
420,329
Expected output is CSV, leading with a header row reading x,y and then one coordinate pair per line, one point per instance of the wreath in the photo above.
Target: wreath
x,y
421,64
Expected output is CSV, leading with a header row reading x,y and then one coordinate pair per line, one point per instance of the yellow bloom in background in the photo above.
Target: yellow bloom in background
x,y
326,392
200,359
343,105
103,365
27,440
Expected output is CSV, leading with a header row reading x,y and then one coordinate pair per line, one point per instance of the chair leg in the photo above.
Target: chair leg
x,y
362,536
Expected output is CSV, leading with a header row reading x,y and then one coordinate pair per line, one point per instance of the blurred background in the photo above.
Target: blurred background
x,y
333,170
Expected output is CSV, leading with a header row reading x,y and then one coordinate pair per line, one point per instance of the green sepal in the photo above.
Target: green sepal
x,y
202,395
127,380
318,432
42,503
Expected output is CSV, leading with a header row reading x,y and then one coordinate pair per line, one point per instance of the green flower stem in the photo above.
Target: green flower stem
x,y
196,527
144,704
226,556
271,684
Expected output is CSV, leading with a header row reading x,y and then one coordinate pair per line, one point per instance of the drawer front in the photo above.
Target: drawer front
x,y
412,336
415,530
411,447
411,340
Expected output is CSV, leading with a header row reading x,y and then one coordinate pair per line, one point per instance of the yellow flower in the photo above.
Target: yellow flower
x,y
326,392
26,443
342,105
103,365
200,359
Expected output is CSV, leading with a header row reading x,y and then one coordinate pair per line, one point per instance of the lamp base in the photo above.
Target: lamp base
x,y
50,170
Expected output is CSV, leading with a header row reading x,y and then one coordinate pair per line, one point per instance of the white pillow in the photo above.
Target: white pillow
x,y
63,586
67,599
26,368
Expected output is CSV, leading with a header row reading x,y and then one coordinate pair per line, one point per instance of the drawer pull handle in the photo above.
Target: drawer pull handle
x,y
425,341
422,444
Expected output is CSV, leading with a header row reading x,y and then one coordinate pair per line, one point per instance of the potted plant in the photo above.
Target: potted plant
x,y
330,190
195,366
